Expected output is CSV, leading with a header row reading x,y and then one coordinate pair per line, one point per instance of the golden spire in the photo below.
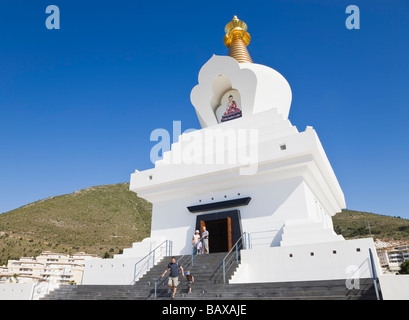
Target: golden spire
x,y
237,39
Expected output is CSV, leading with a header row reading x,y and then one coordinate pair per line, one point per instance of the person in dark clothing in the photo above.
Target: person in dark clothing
x,y
174,268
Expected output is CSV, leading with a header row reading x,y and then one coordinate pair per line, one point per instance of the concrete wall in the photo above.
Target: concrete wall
x,y
272,204
110,271
127,267
320,261
16,291
394,287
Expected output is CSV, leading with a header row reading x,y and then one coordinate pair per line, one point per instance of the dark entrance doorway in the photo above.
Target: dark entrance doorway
x,y
224,229
221,237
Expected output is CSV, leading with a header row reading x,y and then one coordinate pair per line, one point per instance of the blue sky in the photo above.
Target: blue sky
x,y
77,105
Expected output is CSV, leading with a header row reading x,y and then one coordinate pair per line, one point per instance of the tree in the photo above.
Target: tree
x,y
404,267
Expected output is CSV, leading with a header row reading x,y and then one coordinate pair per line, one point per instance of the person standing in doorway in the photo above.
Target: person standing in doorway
x,y
173,282
205,238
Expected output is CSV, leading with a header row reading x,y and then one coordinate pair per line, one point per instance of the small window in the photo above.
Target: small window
x,y
358,249
291,255
334,251
311,254
283,147
150,177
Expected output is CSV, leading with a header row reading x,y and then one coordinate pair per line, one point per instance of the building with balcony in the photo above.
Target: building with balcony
x,y
391,258
49,266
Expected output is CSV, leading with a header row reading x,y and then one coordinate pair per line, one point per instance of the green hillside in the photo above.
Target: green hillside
x,y
106,219
358,224
100,220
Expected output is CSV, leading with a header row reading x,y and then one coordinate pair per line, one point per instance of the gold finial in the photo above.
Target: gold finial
x,y
237,39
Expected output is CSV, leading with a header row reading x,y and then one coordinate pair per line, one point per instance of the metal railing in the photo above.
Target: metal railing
x,y
374,275
261,238
147,262
233,256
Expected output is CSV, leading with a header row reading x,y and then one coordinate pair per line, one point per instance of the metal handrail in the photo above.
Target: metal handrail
x,y
251,239
374,275
236,247
168,251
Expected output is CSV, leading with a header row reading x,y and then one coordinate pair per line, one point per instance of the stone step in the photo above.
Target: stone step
x,y
293,290
206,269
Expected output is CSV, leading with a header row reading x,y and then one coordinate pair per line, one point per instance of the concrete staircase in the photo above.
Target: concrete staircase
x,y
208,285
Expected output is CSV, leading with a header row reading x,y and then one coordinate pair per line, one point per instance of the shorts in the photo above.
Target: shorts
x,y
173,281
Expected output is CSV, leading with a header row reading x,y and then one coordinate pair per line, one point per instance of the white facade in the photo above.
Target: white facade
x,y
281,178
128,267
394,287
261,155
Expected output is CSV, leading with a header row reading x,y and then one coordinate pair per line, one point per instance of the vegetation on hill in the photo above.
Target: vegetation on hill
x,y
105,219
404,267
100,220
358,224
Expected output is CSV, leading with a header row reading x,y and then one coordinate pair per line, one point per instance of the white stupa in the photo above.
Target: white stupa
x,y
249,171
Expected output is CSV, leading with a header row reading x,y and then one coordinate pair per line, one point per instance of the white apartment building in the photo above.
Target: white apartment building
x,y
49,266
391,258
